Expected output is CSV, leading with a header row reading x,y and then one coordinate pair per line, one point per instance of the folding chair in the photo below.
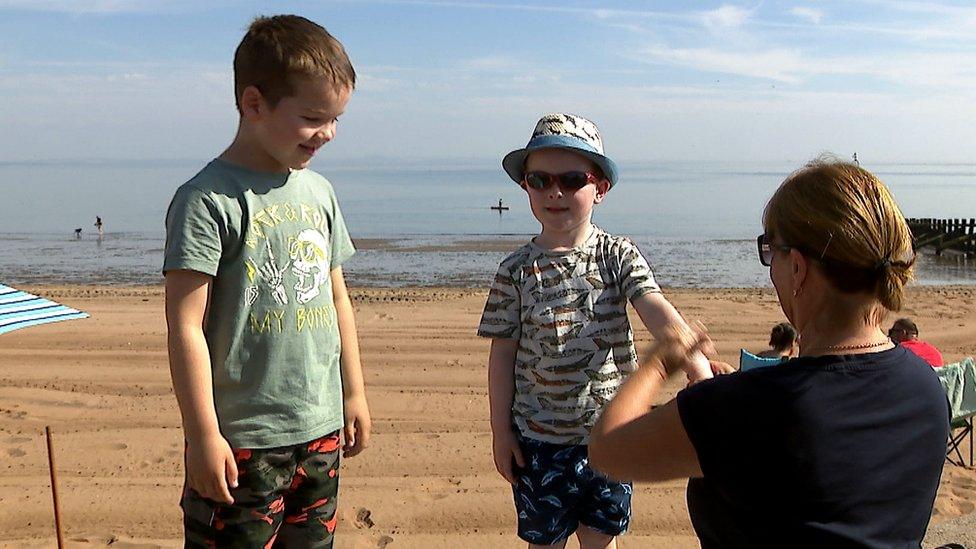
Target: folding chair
x,y
959,432
749,361
959,381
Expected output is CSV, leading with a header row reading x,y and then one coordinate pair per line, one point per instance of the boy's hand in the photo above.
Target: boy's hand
x,y
211,469
358,424
506,449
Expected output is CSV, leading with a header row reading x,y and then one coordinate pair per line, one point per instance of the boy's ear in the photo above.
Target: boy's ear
x,y
602,187
252,103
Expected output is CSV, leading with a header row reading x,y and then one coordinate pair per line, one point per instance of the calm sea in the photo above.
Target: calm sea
x,y
696,222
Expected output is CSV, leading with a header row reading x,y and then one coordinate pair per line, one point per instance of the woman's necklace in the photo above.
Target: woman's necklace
x,y
853,347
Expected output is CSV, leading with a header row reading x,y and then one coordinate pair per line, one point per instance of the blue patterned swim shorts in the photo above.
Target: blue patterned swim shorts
x,y
557,491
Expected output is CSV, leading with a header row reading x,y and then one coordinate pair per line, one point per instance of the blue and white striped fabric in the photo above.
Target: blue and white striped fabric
x,y
20,309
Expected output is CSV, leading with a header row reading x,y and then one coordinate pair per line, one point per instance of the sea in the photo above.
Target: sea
x,y
431,225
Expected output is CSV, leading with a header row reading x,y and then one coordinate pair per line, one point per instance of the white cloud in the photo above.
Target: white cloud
x,y
602,14
778,64
924,22
809,14
725,16
938,70
371,83
100,6
493,63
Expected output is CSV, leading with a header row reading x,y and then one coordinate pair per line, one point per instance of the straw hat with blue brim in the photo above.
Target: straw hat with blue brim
x,y
567,132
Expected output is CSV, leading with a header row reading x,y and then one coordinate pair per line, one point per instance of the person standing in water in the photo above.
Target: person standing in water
x,y
98,225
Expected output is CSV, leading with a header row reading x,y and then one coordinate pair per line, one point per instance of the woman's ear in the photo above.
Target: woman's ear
x,y
799,270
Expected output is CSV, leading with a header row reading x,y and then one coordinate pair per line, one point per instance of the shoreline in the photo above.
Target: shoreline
x,y
434,261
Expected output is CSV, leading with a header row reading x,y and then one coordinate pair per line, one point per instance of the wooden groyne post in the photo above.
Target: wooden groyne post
x,y
54,487
958,235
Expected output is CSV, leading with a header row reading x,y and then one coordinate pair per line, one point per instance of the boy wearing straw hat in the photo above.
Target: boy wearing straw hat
x,y
561,342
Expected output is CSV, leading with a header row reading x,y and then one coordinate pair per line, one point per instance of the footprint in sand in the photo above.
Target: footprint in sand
x,y
383,542
16,452
120,446
966,507
963,482
101,540
363,520
18,440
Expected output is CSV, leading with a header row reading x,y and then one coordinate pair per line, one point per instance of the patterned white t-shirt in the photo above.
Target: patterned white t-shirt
x,y
568,310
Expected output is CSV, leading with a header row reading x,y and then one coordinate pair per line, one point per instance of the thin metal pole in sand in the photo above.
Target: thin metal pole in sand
x,y
54,487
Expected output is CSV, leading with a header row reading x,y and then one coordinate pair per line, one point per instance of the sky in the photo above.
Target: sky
x,y
455,81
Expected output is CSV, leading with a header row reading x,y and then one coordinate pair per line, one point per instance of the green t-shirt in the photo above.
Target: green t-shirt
x,y
270,241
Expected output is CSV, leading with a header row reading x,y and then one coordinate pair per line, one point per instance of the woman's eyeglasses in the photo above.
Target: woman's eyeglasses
x,y
568,181
766,249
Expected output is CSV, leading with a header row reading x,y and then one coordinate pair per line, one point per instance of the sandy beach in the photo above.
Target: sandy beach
x,y
427,481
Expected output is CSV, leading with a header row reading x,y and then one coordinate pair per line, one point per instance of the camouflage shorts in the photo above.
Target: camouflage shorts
x,y
286,497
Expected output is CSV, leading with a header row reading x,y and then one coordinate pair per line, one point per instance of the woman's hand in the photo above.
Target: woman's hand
x,y
720,368
682,347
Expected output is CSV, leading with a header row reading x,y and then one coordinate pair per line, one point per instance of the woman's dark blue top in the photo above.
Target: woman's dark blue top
x,y
829,451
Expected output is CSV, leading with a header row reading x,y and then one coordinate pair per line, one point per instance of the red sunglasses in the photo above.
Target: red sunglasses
x,y
568,181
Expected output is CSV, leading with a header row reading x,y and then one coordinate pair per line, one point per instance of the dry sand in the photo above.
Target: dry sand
x,y
427,481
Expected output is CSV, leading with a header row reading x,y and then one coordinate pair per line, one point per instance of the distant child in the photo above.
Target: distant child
x,y
561,341
783,342
262,339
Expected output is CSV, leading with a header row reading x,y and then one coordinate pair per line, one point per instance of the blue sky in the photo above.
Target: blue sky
x,y
456,80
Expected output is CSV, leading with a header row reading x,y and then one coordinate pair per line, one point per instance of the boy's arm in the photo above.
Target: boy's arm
x,y
501,393
659,316
354,406
210,465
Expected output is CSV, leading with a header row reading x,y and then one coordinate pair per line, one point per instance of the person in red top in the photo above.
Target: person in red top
x,y
905,333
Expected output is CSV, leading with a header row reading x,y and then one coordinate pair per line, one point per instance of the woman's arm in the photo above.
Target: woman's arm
x,y
630,441
659,317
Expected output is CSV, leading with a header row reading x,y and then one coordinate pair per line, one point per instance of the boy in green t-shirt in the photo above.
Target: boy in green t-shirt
x,y
262,339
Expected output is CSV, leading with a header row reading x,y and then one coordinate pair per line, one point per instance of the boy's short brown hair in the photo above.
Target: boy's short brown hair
x,y
280,48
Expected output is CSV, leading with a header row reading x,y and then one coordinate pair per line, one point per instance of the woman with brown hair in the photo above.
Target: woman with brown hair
x,y
844,445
